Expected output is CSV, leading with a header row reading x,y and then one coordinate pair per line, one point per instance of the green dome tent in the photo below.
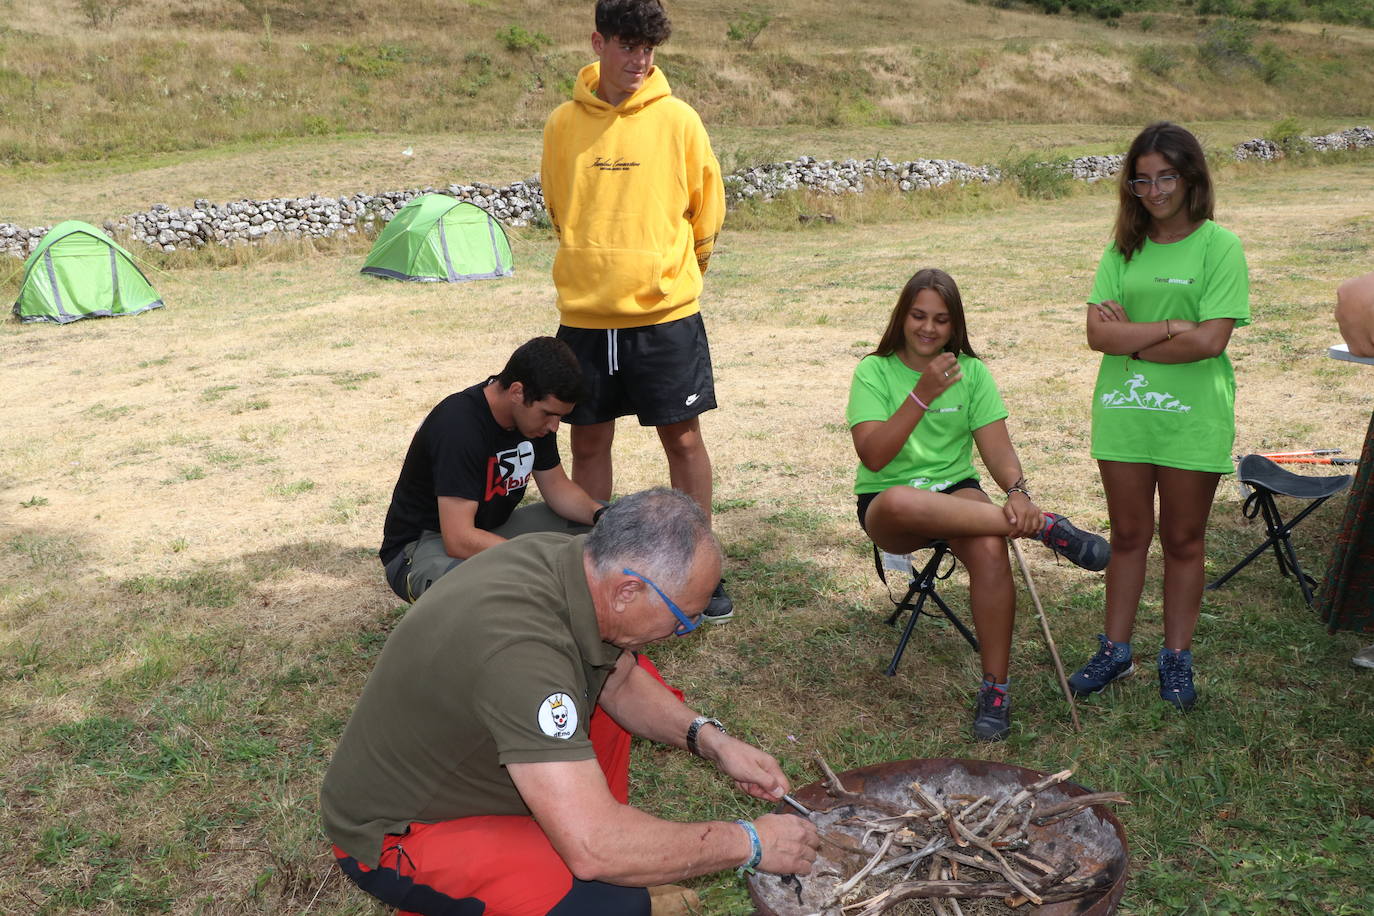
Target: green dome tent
x,y
78,272
436,238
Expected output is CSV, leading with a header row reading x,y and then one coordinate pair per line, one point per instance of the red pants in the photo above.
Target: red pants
x,y
502,865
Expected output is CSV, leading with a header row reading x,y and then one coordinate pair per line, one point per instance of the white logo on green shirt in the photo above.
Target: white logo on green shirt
x,y
1140,398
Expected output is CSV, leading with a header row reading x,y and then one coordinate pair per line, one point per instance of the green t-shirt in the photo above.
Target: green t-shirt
x,y
1175,415
939,452
500,662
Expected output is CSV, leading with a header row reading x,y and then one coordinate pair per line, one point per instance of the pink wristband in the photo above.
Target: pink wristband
x,y
919,403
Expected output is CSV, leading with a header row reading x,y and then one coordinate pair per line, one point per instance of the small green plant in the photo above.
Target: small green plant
x,y
1037,179
1289,135
746,29
1274,65
102,13
33,502
293,489
1226,44
1160,60
515,38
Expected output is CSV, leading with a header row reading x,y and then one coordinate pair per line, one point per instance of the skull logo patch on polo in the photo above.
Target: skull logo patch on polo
x,y
558,716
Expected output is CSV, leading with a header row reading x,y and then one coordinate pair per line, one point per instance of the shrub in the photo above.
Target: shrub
x,y
102,12
1276,10
515,38
745,30
1160,60
1227,43
1274,64
1037,179
1218,8
1289,135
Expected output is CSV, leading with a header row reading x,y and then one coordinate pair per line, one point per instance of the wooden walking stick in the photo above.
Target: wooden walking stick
x,y
1045,628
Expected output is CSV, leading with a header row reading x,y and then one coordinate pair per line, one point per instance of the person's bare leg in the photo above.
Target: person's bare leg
x,y
1185,502
591,458
689,464
907,518
1130,491
903,518
992,599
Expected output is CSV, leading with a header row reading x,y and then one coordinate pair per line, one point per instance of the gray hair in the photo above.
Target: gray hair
x,y
656,532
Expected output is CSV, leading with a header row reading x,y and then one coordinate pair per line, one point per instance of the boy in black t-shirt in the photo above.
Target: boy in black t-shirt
x,y
470,462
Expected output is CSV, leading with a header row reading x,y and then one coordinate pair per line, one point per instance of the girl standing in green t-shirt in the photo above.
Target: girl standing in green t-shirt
x,y
1170,289
917,405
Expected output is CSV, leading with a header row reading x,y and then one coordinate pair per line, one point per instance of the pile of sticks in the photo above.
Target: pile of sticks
x,y
968,847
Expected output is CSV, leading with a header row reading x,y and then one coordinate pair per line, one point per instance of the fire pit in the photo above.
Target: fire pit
x,y
1086,848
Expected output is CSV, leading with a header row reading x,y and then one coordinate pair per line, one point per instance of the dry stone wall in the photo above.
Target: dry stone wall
x,y
254,221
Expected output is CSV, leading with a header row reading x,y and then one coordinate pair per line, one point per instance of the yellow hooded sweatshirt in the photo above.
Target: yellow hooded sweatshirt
x,y
635,195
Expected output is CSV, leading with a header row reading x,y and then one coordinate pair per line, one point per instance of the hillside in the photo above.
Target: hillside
x,y
194,74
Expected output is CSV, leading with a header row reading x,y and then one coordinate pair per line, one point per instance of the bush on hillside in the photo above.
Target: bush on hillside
x,y
1161,60
515,38
1274,65
1227,44
746,28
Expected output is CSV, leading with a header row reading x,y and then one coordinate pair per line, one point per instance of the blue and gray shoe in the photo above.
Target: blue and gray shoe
x,y
1112,662
1081,548
992,715
1176,678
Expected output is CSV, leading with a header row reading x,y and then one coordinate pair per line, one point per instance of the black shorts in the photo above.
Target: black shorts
x,y
865,498
661,373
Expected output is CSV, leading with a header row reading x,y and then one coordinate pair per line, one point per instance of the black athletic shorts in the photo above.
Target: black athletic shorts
x,y
661,373
865,498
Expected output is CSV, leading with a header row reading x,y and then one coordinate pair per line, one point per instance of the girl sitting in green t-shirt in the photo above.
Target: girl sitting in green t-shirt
x,y
917,405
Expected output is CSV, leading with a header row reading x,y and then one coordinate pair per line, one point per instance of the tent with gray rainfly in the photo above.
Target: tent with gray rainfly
x,y
435,238
78,272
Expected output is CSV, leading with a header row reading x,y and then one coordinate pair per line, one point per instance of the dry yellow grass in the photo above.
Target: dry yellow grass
x,y
266,403
242,444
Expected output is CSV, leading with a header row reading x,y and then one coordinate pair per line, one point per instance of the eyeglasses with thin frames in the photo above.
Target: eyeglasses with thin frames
x,y
685,623
1165,184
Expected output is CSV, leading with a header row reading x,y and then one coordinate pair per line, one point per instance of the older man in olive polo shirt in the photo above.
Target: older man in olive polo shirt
x,y
485,768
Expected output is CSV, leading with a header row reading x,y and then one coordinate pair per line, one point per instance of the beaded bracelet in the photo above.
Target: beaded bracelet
x,y
755,849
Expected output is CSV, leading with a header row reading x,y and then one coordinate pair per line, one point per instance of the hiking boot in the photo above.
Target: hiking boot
x,y
720,608
1101,669
992,716
1176,678
673,900
1090,551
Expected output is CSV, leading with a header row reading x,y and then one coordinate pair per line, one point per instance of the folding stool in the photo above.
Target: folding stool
x,y
921,588
1266,480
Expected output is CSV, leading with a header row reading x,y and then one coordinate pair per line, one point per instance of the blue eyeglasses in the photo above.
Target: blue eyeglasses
x,y
685,623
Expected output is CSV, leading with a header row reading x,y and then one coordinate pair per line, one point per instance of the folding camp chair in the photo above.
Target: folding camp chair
x,y
921,588
1265,479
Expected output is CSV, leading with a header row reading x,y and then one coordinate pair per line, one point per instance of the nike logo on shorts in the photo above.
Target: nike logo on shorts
x,y
691,400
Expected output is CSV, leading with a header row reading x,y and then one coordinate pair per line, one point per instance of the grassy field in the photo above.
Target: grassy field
x,y
190,599
181,75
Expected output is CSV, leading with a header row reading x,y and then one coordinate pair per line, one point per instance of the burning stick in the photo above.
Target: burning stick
x,y
1049,638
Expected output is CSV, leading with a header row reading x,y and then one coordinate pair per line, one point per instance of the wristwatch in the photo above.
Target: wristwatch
x,y
695,728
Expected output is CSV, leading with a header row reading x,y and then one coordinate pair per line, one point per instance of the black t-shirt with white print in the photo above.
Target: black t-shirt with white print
x,y
460,450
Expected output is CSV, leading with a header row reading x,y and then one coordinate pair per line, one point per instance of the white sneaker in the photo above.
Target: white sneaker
x,y
1364,658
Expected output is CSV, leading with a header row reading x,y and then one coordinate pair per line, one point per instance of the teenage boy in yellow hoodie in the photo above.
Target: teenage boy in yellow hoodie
x,y
635,195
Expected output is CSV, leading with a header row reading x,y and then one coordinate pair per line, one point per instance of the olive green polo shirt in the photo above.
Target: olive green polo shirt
x,y
500,661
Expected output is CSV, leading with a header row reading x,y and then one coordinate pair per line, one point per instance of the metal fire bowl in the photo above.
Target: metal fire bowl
x,y
1094,837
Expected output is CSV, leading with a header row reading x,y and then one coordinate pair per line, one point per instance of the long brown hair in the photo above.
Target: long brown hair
x,y
1183,152
943,284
